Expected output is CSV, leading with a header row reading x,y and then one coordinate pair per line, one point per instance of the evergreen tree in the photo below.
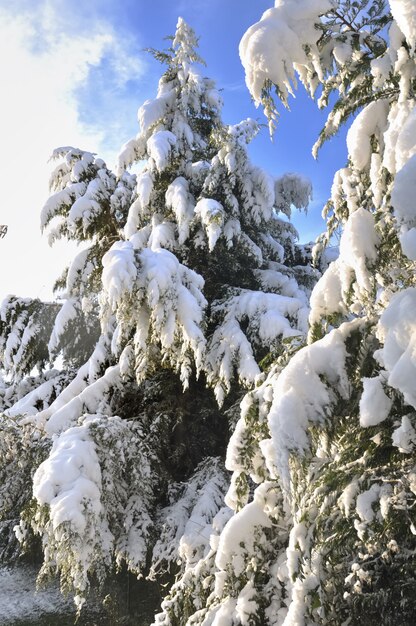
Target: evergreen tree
x,y
201,279
328,535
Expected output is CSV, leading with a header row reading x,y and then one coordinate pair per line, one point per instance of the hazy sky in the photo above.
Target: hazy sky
x,y
76,73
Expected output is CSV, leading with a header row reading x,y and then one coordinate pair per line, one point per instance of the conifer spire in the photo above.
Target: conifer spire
x,y
194,278
184,45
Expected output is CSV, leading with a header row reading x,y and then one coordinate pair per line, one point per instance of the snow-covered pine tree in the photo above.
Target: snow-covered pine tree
x,y
201,279
328,537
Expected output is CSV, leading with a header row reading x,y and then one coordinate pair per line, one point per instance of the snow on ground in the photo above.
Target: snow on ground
x,y
129,602
19,599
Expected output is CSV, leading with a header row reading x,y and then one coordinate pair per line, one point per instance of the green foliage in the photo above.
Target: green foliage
x,y
176,310
22,448
363,561
25,327
362,25
347,543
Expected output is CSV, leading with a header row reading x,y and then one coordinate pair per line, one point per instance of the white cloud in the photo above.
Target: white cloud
x,y
45,63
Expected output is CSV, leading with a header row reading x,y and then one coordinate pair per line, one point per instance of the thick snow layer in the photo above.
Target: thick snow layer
x,y
371,121
404,12
380,69
365,501
376,179
403,197
89,399
358,246
358,249
327,295
342,52
64,197
274,280
247,605
64,403
211,214
159,148
69,481
120,271
222,615
348,496
144,188
302,395
130,152
29,404
271,48
408,243
71,391
68,485
397,330
404,437
375,405
83,209
298,541
168,302
138,207
238,537
182,203
400,136
403,200
153,111
163,235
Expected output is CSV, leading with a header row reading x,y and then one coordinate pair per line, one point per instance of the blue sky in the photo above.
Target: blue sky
x,y
75,74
